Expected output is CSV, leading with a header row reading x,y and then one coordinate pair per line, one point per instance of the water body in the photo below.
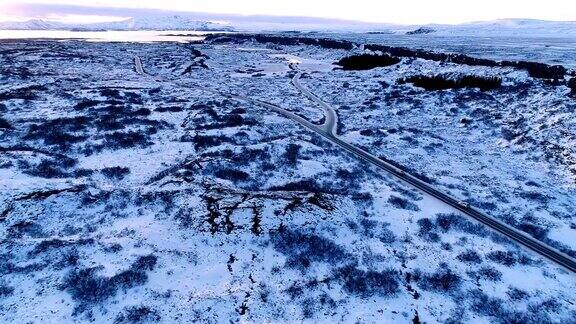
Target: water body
x,y
141,36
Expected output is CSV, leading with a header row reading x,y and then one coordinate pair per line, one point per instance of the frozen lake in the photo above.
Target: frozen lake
x,y
108,36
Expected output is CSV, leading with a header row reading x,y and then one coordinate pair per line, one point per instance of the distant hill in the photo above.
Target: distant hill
x,y
501,27
214,22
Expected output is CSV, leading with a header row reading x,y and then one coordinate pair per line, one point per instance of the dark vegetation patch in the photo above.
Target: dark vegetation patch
x,y
88,289
443,280
496,309
49,168
486,273
85,104
375,229
137,314
169,109
366,62
516,294
572,86
121,140
207,141
536,231
302,249
368,283
443,82
232,175
470,256
291,154
427,230
538,70
6,290
506,258
58,131
7,267
116,173
68,132
281,40
312,186
420,31
402,203
4,124
25,93
446,222
52,244
31,229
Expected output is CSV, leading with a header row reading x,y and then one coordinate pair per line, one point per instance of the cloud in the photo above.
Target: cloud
x,y
382,11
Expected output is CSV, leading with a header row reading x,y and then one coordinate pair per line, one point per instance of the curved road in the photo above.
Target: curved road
x,y
328,132
331,122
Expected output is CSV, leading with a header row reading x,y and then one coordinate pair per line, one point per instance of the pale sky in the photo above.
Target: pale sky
x,y
382,11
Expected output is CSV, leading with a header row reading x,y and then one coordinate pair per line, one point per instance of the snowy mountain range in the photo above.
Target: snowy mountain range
x,y
502,27
173,22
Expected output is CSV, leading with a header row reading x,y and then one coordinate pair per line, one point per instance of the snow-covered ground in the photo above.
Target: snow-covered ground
x,y
127,199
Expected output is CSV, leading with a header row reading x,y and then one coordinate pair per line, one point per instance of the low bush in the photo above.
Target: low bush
x,y
489,273
86,103
5,290
291,154
443,280
367,61
116,173
572,86
505,258
486,305
457,222
58,131
4,124
87,288
169,109
25,93
469,256
57,244
232,175
534,230
48,169
110,93
302,249
142,112
368,283
538,70
440,82
120,140
516,294
427,230
145,262
137,314
402,203
206,141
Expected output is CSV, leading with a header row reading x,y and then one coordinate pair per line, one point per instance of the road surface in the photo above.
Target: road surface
x,y
328,132
331,121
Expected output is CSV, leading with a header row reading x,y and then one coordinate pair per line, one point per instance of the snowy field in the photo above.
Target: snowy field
x,y
127,198
546,49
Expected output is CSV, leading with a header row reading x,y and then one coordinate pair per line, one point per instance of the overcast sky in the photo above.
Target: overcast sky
x,y
383,11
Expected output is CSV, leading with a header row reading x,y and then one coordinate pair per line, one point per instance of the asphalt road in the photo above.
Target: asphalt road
x,y
328,131
331,122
